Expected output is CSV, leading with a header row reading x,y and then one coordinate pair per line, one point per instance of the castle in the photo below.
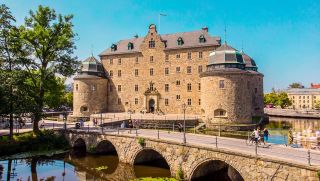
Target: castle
x,y
160,73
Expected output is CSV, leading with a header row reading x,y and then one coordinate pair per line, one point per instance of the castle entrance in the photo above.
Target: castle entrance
x,y
151,105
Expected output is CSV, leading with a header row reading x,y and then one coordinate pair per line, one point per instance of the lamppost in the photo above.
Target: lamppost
x,y
65,120
184,122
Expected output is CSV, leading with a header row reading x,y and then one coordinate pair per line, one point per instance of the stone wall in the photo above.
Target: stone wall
x,y
128,80
90,93
189,157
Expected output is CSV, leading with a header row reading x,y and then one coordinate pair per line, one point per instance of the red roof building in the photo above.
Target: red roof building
x,y
315,86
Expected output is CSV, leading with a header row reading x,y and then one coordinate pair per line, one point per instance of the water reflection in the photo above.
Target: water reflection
x,y
75,167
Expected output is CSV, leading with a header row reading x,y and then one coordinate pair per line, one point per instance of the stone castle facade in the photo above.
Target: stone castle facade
x,y
161,73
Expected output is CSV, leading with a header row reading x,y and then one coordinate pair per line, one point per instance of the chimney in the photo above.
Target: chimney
x,y
205,29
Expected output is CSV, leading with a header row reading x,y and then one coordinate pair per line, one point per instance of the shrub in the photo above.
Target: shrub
x,y
179,174
92,149
141,141
318,173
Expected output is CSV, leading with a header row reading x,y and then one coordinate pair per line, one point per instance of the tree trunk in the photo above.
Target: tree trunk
x,y
11,126
33,166
9,169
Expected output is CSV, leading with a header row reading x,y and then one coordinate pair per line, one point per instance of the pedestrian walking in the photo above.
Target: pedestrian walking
x,y
265,135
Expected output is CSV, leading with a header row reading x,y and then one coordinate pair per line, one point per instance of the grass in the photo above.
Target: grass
x,y
47,140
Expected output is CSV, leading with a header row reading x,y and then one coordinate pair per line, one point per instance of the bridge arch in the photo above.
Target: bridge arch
x,y
79,143
217,169
106,147
151,157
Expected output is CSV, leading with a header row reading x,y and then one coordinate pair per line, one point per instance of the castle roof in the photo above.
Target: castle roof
x,y
225,54
190,40
91,67
250,63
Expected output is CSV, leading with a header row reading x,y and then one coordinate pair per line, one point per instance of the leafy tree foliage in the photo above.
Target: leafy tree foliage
x,y
296,85
277,99
46,41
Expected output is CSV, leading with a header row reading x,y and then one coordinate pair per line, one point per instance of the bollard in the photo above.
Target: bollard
x,y
173,127
136,132
118,130
88,127
216,141
194,131
309,158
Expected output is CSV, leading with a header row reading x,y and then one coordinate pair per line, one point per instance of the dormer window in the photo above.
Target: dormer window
x,y
130,46
152,43
180,41
113,47
202,39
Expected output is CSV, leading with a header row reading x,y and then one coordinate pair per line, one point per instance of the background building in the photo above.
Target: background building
x,y
160,73
305,98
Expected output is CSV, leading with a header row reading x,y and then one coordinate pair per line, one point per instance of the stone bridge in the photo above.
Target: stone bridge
x,y
195,161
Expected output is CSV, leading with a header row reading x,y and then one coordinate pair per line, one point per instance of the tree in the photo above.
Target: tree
x,y
277,99
47,45
8,65
296,85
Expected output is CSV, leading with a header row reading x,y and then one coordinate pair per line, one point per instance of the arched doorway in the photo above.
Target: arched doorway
x,y
152,105
215,170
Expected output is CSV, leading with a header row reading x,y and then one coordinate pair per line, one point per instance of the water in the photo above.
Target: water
x,y
70,167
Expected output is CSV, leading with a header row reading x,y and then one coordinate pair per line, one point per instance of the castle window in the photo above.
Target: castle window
x,y
199,102
151,86
130,46
136,88
111,73
119,88
199,86
189,55
119,73
136,72
178,56
93,87
166,87
202,39
151,59
151,72
166,71
180,41
152,43
220,113
136,101
83,109
178,97
178,69
166,102
111,61
119,101
221,84
137,60
178,82
113,47
200,55
167,57
119,61
189,87
189,102
77,87
199,68
189,70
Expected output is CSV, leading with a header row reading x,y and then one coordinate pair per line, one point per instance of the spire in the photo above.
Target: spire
x,y
91,50
225,34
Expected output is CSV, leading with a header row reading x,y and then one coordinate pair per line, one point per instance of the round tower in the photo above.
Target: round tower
x,y
90,89
227,88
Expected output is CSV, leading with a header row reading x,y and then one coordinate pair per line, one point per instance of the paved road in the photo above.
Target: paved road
x,y
281,152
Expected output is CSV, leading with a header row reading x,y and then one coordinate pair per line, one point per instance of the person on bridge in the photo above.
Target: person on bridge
x,y
265,135
256,135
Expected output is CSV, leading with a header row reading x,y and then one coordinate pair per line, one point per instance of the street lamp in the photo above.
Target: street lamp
x,y
65,120
184,122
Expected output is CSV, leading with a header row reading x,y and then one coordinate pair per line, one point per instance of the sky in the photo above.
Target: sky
x,y
283,37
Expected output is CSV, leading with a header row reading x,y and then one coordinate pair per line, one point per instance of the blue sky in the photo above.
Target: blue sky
x,y
282,36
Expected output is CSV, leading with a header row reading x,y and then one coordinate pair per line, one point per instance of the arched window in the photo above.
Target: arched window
x,y
130,46
180,41
220,113
202,39
113,47
83,109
